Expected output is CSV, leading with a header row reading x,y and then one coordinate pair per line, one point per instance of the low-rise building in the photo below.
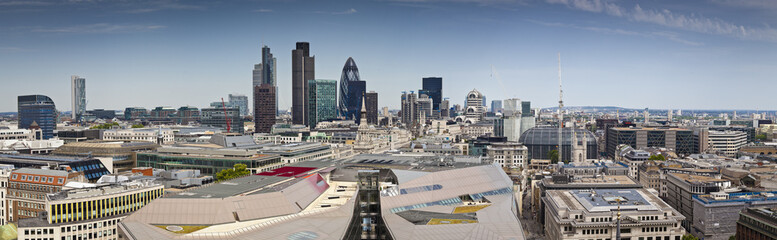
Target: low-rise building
x,y
28,187
716,214
682,187
88,211
509,154
162,135
757,223
600,214
5,173
727,143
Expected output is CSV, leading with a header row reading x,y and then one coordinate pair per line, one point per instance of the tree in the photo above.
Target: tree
x,y
105,125
238,170
657,157
760,137
689,237
553,156
138,126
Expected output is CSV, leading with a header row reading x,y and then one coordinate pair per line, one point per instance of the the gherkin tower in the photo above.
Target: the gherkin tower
x,y
352,90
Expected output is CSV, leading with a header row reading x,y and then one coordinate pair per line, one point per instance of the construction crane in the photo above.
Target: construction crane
x,y
560,111
224,105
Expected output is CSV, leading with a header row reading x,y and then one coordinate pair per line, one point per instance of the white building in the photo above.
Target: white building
x,y
593,214
5,172
18,134
508,154
474,109
140,134
727,143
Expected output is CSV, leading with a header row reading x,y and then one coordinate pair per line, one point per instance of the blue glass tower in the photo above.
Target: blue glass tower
x,y
40,110
432,87
351,91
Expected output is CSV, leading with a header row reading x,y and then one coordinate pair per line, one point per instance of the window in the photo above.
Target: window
x,y
14,176
24,177
60,180
51,180
37,178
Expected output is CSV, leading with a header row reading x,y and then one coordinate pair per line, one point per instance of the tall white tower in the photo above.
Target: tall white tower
x,y
560,112
77,97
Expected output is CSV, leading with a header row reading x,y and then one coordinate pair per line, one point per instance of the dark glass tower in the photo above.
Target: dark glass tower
x,y
432,87
352,89
302,70
371,100
40,110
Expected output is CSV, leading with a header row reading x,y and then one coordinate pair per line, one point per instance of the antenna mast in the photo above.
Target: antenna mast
x,y
560,111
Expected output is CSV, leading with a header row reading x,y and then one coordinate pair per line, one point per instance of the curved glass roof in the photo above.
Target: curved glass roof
x,y
549,136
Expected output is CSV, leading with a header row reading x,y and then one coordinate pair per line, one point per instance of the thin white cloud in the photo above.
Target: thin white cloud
x,y
262,10
101,28
664,17
661,35
349,11
24,3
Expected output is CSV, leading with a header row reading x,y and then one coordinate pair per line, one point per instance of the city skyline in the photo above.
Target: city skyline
x,y
659,55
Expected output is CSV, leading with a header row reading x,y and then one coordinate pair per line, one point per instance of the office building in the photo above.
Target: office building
x,y
241,102
757,223
716,214
445,111
163,113
633,213
496,106
38,111
89,211
424,108
28,187
322,101
224,118
264,108
508,154
135,113
352,90
118,153
540,140
432,87
681,188
512,107
302,70
152,135
726,143
187,114
265,73
408,111
475,105
526,109
207,161
371,99
102,113
678,139
78,97
508,126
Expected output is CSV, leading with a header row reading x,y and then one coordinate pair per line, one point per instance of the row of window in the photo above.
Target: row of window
x,y
89,226
39,179
654,229
34,187
19,194
595,231
68,212
30,205
91,235
648,218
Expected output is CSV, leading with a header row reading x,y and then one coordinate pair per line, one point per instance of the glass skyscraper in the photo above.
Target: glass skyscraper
x,y
352,89
322,101
40,110
78,97
432,87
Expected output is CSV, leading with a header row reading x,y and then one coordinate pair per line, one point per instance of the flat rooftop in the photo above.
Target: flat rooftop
x,y
696,178
604,200
230,188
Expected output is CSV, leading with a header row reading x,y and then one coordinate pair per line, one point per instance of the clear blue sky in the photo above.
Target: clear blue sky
x,y
714,54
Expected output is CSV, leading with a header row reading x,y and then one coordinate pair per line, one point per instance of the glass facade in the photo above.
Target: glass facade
x,y
78,95
322,101
206,165
351,91
40,110
432,87
107,206
540,140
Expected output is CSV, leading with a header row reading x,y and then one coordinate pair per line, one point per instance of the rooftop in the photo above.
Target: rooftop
x,y
697,178
230,188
